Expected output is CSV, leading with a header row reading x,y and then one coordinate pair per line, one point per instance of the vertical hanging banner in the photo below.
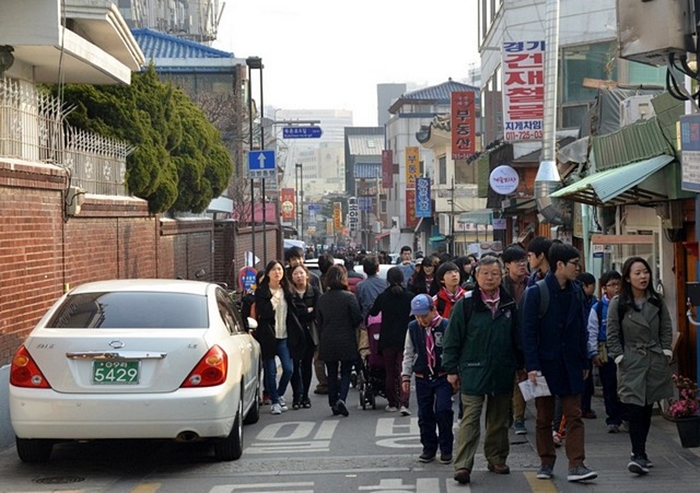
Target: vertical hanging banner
x,y
387,168
412,166
411,219
523,90
423,205
353,215
337,216
463,122
288,200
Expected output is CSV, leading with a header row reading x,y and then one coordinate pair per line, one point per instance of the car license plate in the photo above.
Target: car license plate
x,y
115,372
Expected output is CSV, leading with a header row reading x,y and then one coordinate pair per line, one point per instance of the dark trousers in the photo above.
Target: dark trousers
x,y
639,418
338,391
587,394
301,377
575,452
435,411
393,359
608,378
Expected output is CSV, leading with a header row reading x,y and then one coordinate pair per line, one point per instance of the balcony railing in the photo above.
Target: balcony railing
x,y
32,129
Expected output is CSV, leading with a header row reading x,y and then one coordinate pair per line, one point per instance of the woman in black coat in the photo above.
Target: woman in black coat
x,y
425,281
394,303
338,320
279,332
305,297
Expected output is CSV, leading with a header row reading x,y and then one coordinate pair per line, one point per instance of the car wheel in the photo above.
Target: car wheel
x,y
231,447
254,412
33,450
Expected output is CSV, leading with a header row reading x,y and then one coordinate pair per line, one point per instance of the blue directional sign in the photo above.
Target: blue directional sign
x,y
302,132
315,207
261,164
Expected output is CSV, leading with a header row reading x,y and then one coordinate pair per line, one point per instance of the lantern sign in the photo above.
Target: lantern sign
x,y
353,215
504,180
423,205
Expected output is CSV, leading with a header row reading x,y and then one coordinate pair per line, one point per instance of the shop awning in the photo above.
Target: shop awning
x,y
437,239
618,186
476,217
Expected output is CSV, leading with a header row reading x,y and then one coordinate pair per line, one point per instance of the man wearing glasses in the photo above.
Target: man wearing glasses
x,y
555,346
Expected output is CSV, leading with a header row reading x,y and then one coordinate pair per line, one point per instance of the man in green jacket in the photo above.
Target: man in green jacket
x,y
480,355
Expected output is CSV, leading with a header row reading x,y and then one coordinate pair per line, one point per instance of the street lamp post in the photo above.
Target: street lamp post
x,y
255,62
250,148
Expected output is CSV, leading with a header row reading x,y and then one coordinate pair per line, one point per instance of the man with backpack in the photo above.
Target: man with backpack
x,y
598,352
554,339
480,356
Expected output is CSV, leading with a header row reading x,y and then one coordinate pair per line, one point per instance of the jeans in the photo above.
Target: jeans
x,y
270,365
336,392
435,410
608,378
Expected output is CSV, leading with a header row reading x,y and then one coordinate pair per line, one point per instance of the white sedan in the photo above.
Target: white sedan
x,y
139,358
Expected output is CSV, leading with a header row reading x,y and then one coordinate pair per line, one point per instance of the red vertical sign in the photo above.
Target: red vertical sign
x,y
463,120
287,196
411,219
387,168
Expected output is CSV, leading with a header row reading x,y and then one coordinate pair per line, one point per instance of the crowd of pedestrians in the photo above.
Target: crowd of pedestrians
x,y
473,330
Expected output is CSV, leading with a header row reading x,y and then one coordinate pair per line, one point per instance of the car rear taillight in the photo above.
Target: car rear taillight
x,y
25,373
211,370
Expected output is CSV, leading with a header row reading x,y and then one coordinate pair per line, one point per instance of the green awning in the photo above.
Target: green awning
x,y
618,186
437,239
476,217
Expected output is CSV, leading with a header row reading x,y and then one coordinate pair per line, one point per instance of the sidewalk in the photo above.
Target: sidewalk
x,y
675,469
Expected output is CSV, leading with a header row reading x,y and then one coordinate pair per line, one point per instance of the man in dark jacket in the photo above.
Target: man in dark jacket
x,y
554,346
480,355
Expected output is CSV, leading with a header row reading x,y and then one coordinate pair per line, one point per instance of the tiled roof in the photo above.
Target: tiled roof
x,y
157,45
367,170
365,145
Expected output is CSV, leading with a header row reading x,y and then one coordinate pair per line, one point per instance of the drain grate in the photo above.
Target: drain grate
x,y
59,480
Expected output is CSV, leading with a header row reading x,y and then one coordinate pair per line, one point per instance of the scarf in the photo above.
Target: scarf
x,y
492,303
430,342
454,298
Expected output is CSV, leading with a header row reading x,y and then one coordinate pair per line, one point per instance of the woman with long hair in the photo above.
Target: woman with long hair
x,y
277,331
338,320
425,281
639,338
305,297
394,303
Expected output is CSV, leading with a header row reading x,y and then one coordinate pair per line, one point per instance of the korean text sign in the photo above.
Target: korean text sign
x,y
463,122
523,90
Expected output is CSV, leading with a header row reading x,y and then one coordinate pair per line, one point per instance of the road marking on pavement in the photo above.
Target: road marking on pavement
x,y
540,485
146,488
401,433
423,485
273,487
294,436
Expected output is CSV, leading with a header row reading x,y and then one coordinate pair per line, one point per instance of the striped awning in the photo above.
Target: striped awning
x,y
367,170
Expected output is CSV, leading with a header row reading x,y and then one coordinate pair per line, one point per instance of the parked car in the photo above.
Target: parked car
x,y
146,359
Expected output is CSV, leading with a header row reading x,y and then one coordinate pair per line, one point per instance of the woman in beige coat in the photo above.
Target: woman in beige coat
x,y
639,339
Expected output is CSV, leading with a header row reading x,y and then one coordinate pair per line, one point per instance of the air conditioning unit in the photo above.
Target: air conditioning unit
x,y
650,30
636,108
444,224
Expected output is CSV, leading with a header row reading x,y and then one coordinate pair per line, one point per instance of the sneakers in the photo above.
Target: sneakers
x,y
283,405
321,390
519,427
342,408
462,476
638,466
545,471
426,457
445,458
557,438
404,411
581,473
590,414
276,409
391,409
649,464
613,428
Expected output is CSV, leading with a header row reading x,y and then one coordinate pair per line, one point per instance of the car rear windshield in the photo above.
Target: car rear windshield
x,y
132,310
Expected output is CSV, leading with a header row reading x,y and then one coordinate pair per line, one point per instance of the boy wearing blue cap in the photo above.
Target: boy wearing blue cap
x,y
422,357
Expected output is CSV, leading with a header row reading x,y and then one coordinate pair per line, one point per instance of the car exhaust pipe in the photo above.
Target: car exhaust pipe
x,y
187,436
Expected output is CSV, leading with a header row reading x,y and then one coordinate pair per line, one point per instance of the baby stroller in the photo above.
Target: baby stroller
x,y
371,383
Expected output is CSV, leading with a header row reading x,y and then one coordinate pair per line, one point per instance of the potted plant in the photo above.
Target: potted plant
x,y
685,411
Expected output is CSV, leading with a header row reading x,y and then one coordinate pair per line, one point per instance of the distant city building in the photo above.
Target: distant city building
x,y
196,20
386,95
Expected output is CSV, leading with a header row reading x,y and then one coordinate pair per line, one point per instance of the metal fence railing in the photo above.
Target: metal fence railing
x,y
32,128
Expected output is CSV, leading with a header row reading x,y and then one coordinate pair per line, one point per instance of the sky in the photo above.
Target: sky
x,y
327,54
